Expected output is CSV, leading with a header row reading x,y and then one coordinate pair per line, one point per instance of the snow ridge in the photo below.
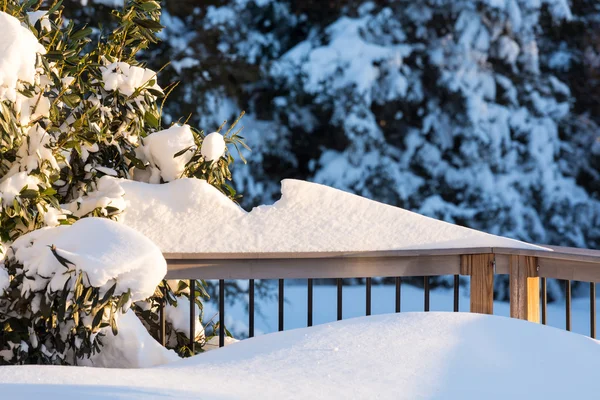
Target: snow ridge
x,y
308,218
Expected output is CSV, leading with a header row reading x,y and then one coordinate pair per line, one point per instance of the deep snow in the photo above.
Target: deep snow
x,y
308,217
396,356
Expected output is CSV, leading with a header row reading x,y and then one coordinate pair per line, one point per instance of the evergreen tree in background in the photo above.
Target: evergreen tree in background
x,y
481,113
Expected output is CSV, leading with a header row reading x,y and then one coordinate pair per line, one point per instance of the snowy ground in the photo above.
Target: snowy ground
x,y
383,301
399,356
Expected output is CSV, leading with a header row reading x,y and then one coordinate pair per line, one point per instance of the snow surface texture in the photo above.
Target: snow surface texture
x,y
19,49
213,343
309,217
107,251
401,356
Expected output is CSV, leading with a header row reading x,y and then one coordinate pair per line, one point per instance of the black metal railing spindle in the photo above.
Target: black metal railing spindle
x,y
192,316
398,293
426,293
251,308
456,292
309,316
163,323
544,301
221,312
368,285
593,310
280,300
339,298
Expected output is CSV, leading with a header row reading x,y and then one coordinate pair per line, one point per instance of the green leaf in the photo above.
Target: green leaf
x,y
182,152
49,192
63,261
28,194
97,319
82,33
55,7
151,119
149,6
54,55
148,23
108,295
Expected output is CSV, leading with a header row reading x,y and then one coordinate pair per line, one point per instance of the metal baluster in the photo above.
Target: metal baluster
x,y
456,292
280,300
426,292
309,321
221,312
251,308
368,295
593,310
339,298
544,301
193,316
163,324
398,293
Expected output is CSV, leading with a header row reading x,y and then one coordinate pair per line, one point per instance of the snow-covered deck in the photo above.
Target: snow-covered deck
x,y
524,266
315,231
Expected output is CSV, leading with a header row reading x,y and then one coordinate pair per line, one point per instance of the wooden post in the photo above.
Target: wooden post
x,y
481,269
524,288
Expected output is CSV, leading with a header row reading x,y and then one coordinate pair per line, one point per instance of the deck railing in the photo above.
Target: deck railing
x,y
527,270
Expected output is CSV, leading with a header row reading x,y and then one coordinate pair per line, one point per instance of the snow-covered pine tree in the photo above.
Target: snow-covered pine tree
x,y
77,110
475,112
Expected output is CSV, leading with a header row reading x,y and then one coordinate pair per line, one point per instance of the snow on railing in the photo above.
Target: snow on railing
x,y
528,270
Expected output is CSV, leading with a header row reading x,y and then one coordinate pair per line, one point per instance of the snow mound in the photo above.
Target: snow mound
x,y
133,347
213,146
160,149
397,356
19,49
308,218
107,251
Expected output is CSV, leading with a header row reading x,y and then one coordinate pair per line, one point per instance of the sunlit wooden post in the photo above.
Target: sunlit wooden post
x,y
480,267
524,288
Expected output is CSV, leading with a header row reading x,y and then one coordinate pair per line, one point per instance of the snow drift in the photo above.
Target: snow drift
x,y
132,347
397,356
189,215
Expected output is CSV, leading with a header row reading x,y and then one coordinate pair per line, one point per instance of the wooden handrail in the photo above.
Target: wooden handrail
x,y
524,267
558,262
